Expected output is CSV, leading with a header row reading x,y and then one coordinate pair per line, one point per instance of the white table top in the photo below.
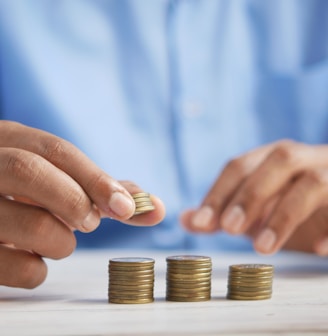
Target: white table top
x,y
73,301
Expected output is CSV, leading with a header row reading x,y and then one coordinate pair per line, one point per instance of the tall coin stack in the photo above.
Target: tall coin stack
x,y
188,278
143,203
131,280
250,282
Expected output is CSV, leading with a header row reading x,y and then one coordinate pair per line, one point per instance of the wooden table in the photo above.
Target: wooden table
x,y
73,301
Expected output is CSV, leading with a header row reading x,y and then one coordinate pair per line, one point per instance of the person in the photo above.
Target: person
x,y
218,107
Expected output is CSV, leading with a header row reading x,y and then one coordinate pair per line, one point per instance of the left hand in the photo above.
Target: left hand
x,y
276,194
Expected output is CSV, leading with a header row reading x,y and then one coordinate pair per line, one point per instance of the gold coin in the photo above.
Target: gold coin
x,y
130,294
134,273
142,199
189,275
249,288
253,268
133,279
132,261
142,286
249,278
188,295
249,293
195,270
131,269
140,194
188,290
129,301
148,285
143,209
187,281
188,285
131,266
241,297
142,205
189,299
188,259
132,276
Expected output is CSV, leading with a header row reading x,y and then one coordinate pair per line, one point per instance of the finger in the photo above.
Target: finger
x,y
26,174
321,246
34,229
307,195
21,268
311,236
109,196
147,219
206,218
285,161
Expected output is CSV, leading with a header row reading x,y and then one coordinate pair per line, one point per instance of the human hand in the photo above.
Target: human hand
x,y
48,188
277,194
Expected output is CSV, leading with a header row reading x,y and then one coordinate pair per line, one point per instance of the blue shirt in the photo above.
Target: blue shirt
x,y
163,92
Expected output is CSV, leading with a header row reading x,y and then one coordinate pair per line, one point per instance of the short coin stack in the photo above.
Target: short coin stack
x,y
250,282
131,280
143,203
188,278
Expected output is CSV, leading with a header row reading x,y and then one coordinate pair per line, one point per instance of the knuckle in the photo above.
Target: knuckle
x,y
76,200
237,166
253,195
100,184
55,239
33,273
286,152
21,166
54,149
17,164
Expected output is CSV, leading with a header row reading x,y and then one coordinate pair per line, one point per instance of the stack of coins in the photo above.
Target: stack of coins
x,y
250,282
143,203
188,278
131,280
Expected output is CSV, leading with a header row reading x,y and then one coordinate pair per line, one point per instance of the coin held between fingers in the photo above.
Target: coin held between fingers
x,y
143,203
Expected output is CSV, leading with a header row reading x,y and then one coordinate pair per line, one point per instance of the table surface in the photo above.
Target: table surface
x,y
73,300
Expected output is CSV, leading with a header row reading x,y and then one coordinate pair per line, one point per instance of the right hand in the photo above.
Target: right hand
x,y
48,188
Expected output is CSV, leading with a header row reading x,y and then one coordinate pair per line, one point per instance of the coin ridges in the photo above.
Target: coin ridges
x,y
188,278
131,280
250,282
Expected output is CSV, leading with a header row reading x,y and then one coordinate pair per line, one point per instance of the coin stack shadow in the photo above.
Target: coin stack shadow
x,y
188,278
250,282
143,203
131,280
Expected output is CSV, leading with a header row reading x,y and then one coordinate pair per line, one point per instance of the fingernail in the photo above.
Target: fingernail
x,y
121,204
91,221
202,217
234,219
322,248
265,241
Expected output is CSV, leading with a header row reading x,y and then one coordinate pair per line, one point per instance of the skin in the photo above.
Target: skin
x,y
48,189
276,194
